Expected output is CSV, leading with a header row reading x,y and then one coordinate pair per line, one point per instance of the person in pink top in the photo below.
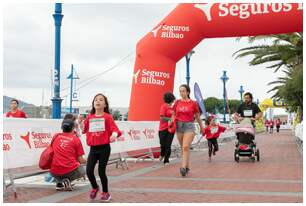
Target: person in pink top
x,y
185,112
165,136
277,124
271,126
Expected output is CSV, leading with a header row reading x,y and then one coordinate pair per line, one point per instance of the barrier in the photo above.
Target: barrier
x,y
286,127
298,131
25,139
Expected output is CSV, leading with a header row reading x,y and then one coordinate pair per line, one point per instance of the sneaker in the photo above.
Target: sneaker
x,y
166,163
214,152
187,170
106,197
183,171
93,193
67,184
59,186
161,158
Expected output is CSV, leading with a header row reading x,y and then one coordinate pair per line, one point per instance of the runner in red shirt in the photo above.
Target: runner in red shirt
x,y
76,130
15,112
165,135
100,129
277,124
271,126
185,112
212,132
68,154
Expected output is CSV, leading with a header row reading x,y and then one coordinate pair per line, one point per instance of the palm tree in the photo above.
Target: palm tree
x,y
286,53
286,50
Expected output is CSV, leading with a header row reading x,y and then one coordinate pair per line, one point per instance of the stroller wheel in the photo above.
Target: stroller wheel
x,y
257,155
236,156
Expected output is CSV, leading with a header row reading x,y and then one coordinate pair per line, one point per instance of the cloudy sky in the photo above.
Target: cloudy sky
x,y
95,37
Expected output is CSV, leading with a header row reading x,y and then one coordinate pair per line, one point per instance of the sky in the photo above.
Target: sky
x,y
94,38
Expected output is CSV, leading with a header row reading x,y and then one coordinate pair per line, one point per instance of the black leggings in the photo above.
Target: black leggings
x,y
212,146
99,153
165,139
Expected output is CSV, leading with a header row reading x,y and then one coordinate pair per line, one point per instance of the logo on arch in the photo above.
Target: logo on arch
x,y
170,31
246,10
148,76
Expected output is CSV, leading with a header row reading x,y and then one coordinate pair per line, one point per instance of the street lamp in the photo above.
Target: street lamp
x,y
71,77
188,56
56,100
224,79
241,91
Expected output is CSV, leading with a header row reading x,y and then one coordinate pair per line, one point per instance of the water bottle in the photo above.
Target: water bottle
x,y
49,177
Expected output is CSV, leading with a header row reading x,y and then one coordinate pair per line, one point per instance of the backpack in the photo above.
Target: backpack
x,y
46,156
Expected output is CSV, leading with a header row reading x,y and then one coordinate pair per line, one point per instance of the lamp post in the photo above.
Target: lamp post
x,y
71,77
188,56
56,100
241,91
224,79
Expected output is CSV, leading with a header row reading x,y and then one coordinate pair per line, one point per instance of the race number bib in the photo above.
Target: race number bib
x,y
97,125
248,113
214,130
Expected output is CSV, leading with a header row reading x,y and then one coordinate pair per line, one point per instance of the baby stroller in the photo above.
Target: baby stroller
x,y
245,145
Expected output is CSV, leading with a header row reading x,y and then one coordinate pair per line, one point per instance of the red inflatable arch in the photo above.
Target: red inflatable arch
x,y
185,27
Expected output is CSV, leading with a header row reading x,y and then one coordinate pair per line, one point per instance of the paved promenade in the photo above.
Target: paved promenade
x,y
278,177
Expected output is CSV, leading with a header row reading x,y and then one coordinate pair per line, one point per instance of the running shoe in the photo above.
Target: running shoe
x,y
93,193
187,170
67,184
60,186
161,158
183,171
106,197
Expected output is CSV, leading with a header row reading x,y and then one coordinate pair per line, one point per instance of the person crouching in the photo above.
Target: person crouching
x,y
68,157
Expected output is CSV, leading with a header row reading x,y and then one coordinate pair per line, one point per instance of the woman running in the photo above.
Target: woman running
x,y
185,112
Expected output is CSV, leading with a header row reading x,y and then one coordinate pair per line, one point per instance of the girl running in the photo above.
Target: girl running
x,y
100,130
212,133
